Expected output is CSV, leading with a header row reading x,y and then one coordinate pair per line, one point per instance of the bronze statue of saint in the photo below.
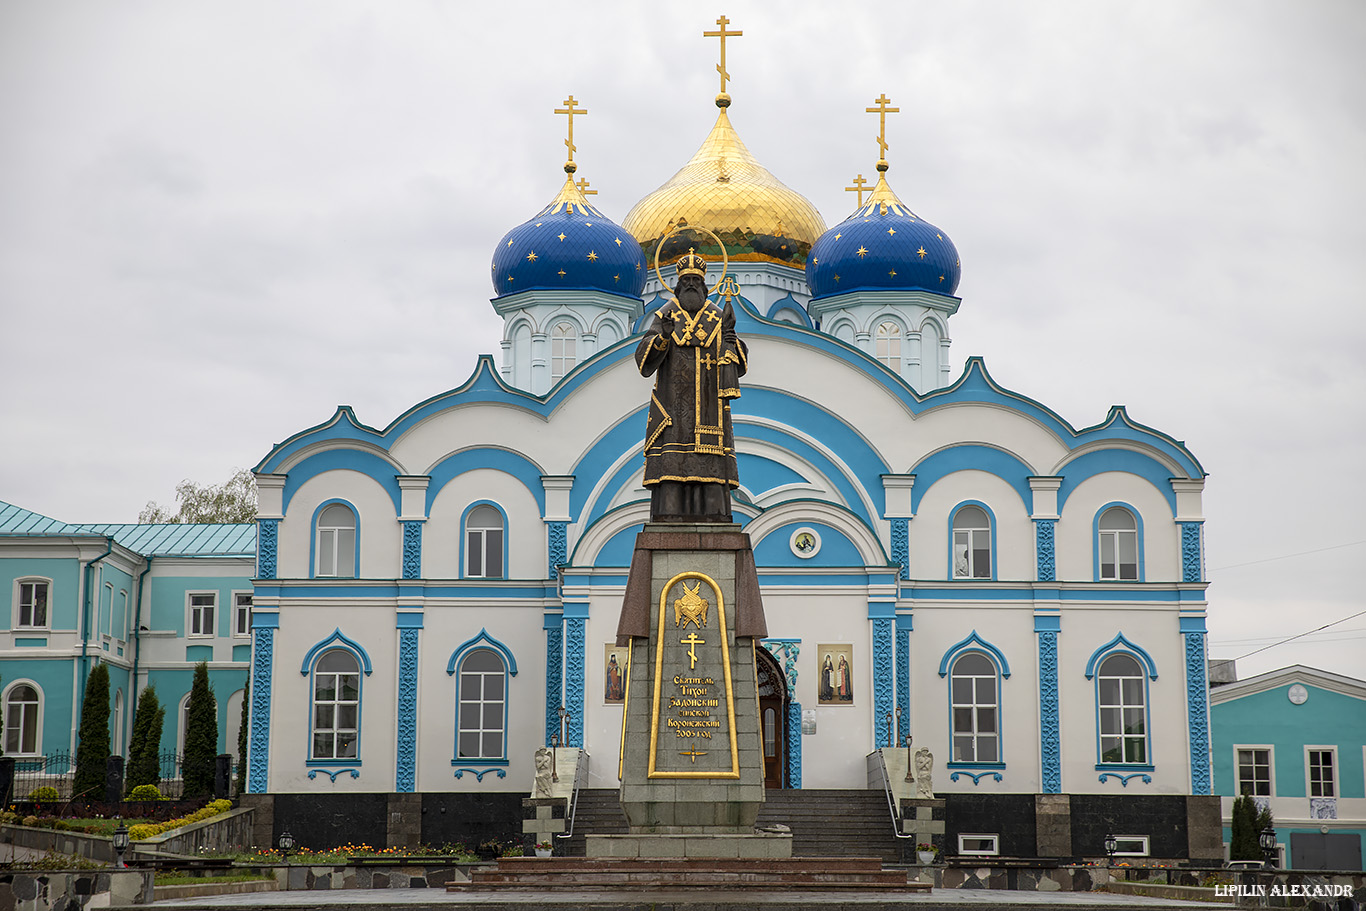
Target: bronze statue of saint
x,y
697,360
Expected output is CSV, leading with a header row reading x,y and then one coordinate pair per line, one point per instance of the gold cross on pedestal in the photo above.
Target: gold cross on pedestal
x,y
694,753
859,183
570,110
582,184
692,641
723,35
882,110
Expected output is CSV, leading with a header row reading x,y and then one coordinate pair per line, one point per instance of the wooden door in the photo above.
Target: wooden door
x,y
772,716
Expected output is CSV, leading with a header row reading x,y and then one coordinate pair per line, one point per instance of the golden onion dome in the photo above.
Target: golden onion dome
x,y
724,189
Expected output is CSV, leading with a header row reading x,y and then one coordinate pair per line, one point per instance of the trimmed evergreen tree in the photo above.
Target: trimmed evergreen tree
x,y
201,736
92,745
242,738
144,748
1243,843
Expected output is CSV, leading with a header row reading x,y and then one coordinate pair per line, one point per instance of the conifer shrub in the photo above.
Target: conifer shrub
x,y
145,745
92,747
201,735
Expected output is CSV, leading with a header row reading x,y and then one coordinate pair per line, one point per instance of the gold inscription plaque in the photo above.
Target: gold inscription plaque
x,y
687,719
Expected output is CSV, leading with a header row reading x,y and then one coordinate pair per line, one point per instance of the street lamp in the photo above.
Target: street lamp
x,y
1111,845
1268,842
121,841
286,843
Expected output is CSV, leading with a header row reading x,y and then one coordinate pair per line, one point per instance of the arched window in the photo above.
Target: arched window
x,y
888,344
336,706
563,350
971,543
1118,545
23,710
484,543
337,541
481,699
1122,701
975,701
117,744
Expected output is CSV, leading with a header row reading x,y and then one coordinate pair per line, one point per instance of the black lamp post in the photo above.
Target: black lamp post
x,y
286,844
121,842
1268,842
1111,843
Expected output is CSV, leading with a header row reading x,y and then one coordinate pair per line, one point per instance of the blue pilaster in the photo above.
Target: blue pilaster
x,y
262,663
901,546
1197,703
412,549
554,673
267,545
1192,556
1047,627
557,546
409,629
794,744
1043,550
575,620
882,615
903,673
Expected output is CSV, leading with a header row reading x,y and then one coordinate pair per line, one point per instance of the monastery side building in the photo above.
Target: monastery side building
x,y
939,555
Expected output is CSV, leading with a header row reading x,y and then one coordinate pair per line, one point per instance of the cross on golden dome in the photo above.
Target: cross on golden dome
x,y
721,67
570,110
858,186
882,110
582,184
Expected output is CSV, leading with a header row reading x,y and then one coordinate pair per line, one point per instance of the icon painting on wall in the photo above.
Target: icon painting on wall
x,y
836,678
614,677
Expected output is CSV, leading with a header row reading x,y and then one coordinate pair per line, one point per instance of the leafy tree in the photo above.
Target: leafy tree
x,y
242,739
145,745
1243,843
230,503
201,735
92,746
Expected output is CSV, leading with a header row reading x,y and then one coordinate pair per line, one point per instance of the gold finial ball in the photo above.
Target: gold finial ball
x,y
882,164
723,100
570,167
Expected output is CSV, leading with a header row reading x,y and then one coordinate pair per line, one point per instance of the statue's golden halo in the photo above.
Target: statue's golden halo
x,y
725,259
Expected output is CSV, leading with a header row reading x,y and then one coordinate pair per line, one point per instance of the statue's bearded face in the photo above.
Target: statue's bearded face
x,y
691,292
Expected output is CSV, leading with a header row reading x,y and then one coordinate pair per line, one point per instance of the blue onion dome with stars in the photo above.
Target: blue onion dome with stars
x,y
569,246
883,246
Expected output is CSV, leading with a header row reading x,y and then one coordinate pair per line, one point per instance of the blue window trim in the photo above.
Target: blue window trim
x,y
1095,544
1122,646
975,645
335,641
313,541
465,541
483,640
991,536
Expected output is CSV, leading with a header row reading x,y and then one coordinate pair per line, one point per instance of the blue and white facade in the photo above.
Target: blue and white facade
x,y
1026,597
1295,740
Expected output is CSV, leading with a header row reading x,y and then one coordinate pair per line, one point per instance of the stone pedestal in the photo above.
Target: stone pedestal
x,y
924,818
692,757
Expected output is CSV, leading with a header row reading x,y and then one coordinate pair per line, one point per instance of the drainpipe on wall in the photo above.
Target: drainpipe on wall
x,y
137,654
85,620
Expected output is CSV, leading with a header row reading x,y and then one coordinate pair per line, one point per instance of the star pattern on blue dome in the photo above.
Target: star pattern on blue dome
x,y
883,246
569,246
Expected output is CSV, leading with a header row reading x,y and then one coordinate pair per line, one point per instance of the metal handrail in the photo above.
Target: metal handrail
x,y
891,800
580,776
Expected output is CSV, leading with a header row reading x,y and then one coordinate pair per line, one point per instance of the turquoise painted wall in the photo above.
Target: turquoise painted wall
x,y
63,599
54,678
1326,718
168,610
173,685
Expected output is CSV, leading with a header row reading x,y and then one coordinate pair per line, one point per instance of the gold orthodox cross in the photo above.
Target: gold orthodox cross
x,y
570,110
692,642
694,753
723,35
882,110
582,184
859,183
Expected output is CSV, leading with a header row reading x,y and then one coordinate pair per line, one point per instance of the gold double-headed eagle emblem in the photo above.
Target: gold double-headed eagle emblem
x,y
692,606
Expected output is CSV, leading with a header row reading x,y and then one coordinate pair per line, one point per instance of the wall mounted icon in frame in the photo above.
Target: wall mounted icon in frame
x,y
835,674
614,674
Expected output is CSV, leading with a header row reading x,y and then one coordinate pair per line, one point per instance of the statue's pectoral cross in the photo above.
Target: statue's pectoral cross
x,y
694,753
708,362
723,35
692,641
569,109
882,110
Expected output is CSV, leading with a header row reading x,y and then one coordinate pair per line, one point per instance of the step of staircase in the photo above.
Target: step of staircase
x,y
824,823
823,874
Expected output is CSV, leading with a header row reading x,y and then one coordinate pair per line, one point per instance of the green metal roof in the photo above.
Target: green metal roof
x,y
148,540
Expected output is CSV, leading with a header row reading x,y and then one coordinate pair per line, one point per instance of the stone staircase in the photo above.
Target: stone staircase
x,y
821,874
833,823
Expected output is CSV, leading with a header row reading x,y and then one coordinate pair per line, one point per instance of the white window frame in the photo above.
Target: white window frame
x,y
976,735
970,534
237,612
476,536
18,606
993,851
1140,846
564,348
9,715
336,704
1271,767
464,679
328,539
887,345
1115,537
1332,750
194,612
1123,706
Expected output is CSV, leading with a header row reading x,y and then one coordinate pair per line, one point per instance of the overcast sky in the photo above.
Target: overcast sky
x,y
220,220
